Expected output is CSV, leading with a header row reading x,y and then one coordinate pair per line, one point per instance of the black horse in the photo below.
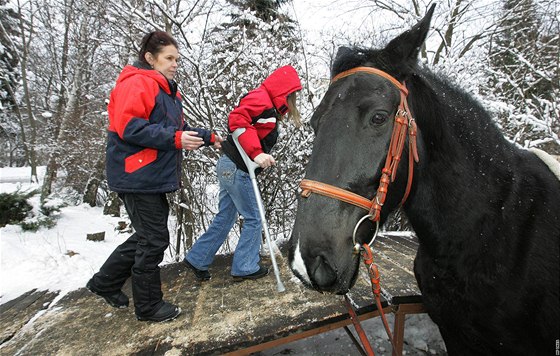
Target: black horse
x,y
486,213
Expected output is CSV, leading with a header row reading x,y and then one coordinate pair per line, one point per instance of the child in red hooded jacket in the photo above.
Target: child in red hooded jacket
x,y
258,112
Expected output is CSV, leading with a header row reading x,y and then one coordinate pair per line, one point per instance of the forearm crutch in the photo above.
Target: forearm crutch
x,y
251,166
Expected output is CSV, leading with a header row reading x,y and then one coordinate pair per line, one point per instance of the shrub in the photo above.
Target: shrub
x,y
48,213
33,224
14,207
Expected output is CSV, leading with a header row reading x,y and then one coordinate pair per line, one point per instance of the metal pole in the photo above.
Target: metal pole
x,y
251,166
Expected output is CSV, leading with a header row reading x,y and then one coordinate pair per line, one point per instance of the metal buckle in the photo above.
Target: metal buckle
x,y
402,113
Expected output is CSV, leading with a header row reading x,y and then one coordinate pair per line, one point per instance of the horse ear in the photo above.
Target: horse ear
x,y
342,51
405,48
343,57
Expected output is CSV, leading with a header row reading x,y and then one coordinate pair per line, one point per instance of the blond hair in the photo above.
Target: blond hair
x,y
293,112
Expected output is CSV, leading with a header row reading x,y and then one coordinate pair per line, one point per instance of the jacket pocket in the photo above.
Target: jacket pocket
x,y
139,160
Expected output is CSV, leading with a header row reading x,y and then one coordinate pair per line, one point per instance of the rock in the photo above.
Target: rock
x,y
97,236
15,314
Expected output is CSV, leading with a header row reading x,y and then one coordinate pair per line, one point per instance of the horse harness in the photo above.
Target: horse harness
x,y
404,123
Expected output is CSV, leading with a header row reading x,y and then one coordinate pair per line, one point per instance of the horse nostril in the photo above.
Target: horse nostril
x,y
322,274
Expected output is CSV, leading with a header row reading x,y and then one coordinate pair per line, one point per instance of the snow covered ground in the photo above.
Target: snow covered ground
x,y
54,259
63,259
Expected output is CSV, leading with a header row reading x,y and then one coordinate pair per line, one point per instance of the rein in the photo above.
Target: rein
x,y
404,124
373,272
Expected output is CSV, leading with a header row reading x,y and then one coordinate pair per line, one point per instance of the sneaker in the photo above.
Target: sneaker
x,y
263,271
114,299
199,274
167,312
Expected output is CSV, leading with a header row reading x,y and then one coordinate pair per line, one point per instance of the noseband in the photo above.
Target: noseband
x,y
404,123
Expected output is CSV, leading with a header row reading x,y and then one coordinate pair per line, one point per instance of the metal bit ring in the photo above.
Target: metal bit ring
x,y
368,216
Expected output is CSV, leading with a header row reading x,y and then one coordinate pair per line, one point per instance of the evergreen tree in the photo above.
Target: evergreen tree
x,y
11,150
517,39
8,55
241,53
266,11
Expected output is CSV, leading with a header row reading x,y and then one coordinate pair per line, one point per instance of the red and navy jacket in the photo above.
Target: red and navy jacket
x,y
258,112
144,134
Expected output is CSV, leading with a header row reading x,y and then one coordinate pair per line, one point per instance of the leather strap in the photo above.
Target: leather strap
x,y
358,326
371,71
310,186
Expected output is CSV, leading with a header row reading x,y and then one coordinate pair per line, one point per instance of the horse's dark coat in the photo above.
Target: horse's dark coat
x,y
487,214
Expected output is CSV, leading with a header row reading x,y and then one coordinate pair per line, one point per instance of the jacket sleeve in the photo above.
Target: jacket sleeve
x,y
133,103
208,136
252,105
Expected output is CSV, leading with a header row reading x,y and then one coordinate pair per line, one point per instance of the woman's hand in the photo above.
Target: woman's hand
x,y
190,140
264,160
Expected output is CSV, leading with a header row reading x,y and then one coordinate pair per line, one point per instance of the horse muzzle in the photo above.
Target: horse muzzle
x,y
320,272
323,276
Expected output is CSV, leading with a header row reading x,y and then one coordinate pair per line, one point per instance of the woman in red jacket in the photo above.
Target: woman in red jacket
x,y
145,138
258,112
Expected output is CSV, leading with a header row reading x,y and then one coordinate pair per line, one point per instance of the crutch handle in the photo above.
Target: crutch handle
x,y
251,165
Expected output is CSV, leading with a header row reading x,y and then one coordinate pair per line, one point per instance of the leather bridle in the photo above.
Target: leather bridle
x,y
404,124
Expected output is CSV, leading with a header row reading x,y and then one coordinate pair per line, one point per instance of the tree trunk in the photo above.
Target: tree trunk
x,y
448,37
50,176
33,132
90,194
32,124
52,164
185,223
21,128
112,205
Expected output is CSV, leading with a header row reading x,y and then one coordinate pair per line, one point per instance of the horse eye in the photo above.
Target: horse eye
x,y
379,118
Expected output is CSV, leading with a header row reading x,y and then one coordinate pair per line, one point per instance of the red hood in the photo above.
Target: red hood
x,y
130,71
281,83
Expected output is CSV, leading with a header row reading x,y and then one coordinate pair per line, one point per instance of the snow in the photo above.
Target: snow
x,y
57,259
52,259
17,175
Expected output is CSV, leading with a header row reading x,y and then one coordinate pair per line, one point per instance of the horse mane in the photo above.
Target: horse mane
x,y
450,115
439,106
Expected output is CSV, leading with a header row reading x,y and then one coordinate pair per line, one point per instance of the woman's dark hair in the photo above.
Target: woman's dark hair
x,y
153,42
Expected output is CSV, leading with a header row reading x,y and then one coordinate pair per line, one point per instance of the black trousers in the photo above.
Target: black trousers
x,y
139,256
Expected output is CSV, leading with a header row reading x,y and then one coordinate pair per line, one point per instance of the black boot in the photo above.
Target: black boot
x,y
201,275
166,312
148,302
263,271
115,299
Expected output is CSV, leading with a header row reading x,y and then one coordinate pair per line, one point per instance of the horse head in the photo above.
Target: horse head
x,y
353,125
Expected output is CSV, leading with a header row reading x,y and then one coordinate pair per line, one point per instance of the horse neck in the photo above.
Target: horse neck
x,y
460,149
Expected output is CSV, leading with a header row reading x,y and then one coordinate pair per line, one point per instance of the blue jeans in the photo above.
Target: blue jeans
x,y
236,197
